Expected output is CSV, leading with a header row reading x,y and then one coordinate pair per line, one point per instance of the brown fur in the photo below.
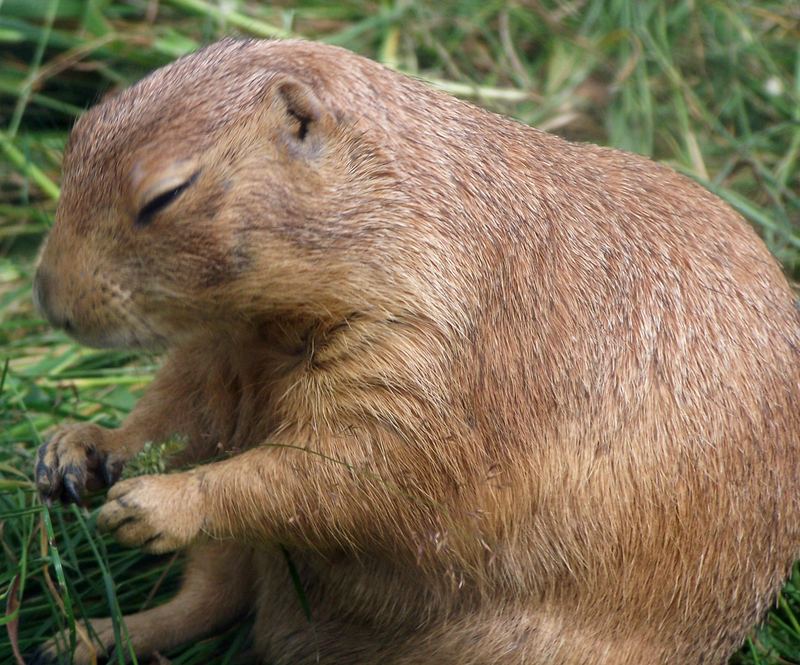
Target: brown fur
x,y
500,398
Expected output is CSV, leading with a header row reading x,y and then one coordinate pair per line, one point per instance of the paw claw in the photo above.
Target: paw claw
x,y
123,522
43,474
72,461
151,540
71,493
118,491
108,475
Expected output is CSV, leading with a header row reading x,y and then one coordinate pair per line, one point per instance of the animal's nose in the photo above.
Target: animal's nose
x,y
43,299
41,291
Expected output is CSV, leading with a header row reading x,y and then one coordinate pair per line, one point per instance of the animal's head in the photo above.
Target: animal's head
x,y
220,182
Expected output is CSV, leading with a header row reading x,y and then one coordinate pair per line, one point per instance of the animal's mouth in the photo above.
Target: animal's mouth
x,y
100,339
94,319
117,338
122,331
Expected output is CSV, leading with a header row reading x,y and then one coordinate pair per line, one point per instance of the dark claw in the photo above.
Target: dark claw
x,y
123,522
150,540
44,479
40,454
107,473
71,493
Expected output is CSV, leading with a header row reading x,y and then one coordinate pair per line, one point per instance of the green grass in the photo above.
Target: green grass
x,y
711,88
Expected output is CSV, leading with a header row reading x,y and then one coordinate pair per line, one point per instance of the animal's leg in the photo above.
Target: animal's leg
x,y
215,592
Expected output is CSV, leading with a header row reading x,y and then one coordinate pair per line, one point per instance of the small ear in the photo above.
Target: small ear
x,y
304,109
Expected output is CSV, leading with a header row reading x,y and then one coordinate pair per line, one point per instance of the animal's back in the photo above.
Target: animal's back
x,y
624,382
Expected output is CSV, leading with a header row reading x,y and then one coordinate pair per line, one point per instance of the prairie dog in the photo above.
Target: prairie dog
x,y
499,397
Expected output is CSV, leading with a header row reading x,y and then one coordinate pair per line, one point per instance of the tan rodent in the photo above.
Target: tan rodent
x,y
499,398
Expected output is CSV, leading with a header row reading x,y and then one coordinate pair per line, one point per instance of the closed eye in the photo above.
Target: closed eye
x,y
162,201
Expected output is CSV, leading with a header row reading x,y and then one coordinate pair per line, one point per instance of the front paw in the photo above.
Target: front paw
x,y
157,513
75,459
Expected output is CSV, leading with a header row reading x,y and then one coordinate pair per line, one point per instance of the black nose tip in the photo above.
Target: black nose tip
x,y
43,299
41,291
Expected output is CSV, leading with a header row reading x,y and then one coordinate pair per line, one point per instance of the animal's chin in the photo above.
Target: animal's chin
x,y
117,339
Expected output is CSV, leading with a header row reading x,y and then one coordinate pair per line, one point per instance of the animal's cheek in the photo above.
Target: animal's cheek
x,y
104,312
95,311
